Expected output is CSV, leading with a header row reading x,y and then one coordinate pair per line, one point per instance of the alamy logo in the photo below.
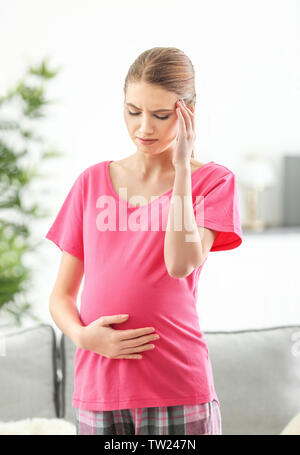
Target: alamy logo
x,y
111,217
296,346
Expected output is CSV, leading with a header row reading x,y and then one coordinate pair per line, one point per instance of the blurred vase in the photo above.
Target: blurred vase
x,y
255,175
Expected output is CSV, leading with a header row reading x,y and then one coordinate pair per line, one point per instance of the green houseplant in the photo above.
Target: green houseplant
x,y
21,111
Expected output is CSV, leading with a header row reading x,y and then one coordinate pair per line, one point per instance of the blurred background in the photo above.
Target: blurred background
x,y
66,62
246,59
63,65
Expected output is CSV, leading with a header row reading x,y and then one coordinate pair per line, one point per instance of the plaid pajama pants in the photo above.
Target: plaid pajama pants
x,y
199,419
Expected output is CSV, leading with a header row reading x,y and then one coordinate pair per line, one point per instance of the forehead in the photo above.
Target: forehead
x,y
149,96
162,109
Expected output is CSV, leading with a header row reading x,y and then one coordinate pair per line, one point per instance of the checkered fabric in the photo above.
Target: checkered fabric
x,y
199,419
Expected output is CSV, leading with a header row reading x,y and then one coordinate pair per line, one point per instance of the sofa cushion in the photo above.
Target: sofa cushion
x,y
257,377
67,354
28,373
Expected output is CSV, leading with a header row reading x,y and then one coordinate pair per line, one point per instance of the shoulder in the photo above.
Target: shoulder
x,y
211,171
89,177
213,167
195,164
92,170
95,167
212,178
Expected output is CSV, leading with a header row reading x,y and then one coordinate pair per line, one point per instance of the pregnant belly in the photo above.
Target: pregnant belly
x,y
144,304
173,316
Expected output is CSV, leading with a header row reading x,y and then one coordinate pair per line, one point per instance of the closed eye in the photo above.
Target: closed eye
x,y
157,116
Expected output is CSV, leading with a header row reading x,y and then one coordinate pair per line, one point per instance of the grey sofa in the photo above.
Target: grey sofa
x,y
256,373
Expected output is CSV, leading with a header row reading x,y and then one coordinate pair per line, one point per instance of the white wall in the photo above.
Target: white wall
x,y
246,57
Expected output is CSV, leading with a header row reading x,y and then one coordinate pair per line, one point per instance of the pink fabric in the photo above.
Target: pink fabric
x,y
125,273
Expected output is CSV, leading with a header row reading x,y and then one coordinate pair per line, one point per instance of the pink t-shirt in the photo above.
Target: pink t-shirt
x,y
122,247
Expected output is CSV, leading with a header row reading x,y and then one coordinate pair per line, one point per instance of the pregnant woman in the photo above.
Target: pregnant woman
x,y
139,231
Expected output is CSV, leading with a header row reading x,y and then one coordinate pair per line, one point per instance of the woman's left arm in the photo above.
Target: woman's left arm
x,y
183,248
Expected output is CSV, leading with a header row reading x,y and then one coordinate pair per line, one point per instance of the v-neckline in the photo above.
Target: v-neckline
x,y
131,206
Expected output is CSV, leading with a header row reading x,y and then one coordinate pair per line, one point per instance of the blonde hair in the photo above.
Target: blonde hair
x,y
167,67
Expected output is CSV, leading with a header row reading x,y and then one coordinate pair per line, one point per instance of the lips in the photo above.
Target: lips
x,y
144,139
146,142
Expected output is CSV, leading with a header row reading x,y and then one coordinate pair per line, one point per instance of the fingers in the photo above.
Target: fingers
x,y
134,333
135,345
186,117
128,357
182,125
125,344
133,350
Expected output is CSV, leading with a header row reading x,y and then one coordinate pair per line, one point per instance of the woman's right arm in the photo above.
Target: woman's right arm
x,y
62,303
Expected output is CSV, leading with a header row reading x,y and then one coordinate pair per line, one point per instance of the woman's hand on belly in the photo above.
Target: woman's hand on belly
x,y
100,338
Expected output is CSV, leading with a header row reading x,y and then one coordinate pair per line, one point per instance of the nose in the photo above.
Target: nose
x,y
145,125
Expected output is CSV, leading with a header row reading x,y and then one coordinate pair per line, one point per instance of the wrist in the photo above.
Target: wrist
x,y
182,166
78,336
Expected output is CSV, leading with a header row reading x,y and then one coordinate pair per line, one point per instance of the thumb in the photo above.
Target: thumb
x,y
115,319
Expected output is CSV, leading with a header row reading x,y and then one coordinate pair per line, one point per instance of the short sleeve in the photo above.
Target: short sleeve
x,y
218,209
67,229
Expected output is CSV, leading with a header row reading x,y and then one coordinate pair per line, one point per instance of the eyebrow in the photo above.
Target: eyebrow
x,y
157,110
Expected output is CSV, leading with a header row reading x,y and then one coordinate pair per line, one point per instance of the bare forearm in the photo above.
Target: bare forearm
x,y
183,247
65,315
